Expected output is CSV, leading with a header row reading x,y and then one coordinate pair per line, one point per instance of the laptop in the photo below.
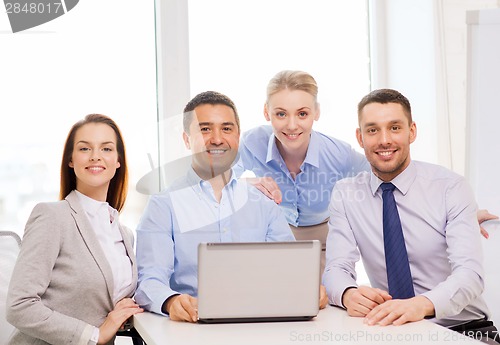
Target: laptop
x,y
258,282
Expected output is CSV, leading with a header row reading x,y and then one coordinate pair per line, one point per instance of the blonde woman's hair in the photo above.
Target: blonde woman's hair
x,y
292,80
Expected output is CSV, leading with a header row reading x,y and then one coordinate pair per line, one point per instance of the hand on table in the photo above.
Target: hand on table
x,y
399,311
323,298
183,308
361,300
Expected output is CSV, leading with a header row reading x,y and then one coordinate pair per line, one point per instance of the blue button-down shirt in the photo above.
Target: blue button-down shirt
x,y
305,198
186,214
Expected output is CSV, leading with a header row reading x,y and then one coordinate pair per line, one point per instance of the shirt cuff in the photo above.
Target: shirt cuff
x,y
95,337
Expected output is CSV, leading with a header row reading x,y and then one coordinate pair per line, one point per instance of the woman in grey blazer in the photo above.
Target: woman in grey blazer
x,y
76,270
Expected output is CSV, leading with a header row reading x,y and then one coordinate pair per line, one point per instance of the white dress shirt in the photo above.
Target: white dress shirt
x,y
439,221
104,220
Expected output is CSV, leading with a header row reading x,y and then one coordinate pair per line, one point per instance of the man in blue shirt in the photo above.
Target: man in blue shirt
x,y
207,205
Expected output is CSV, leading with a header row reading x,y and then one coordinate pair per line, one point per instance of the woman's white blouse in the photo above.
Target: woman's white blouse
x,y
104,221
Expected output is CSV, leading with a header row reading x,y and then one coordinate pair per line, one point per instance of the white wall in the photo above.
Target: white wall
x,y
419,48
452,52
483,115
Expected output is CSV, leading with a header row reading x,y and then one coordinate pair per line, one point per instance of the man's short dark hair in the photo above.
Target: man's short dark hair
x,y
385,96
207,97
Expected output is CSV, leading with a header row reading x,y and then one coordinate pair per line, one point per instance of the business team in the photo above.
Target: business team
x,y
424,213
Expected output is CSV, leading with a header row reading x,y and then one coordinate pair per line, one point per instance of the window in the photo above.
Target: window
x,y
237,47
55,74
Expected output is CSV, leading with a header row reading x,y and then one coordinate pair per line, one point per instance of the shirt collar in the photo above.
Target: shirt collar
x,y
402,182
272,150
196,181
92,206
312,156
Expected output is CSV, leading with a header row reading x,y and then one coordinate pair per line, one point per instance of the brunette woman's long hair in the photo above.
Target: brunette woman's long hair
x,y
118,186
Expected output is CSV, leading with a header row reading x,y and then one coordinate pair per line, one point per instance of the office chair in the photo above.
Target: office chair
x,y
9,250
132,333
491,255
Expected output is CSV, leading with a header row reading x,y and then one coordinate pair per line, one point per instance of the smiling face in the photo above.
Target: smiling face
x,y
94,159
292,113
385,134
213,139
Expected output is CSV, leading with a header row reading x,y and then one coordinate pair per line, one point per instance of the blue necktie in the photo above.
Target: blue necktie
x,y
396,258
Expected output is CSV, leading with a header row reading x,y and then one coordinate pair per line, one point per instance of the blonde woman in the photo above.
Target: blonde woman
x,y
295,165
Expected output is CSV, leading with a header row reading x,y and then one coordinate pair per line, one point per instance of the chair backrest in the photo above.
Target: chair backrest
x,y
491,254
9,250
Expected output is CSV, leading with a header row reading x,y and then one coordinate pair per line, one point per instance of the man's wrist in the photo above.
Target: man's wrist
x,y
428,306
165,308
347,294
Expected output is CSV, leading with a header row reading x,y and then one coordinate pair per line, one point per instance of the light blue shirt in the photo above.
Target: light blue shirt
x,y
305,199
187,213
439,220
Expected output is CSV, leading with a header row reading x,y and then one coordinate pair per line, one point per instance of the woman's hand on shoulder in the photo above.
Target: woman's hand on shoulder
x,y
267,186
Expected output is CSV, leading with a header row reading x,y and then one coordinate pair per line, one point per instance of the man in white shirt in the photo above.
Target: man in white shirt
x,y
437,217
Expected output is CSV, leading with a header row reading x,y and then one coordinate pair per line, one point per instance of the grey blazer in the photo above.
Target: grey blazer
x,y
62,283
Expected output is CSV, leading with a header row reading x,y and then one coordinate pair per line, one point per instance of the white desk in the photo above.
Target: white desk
x,y
332,325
